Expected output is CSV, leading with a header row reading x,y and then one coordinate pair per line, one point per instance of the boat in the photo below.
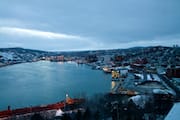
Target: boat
x,y
35,109
107,69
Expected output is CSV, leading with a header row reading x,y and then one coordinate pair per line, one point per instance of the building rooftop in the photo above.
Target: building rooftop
x,y
174,113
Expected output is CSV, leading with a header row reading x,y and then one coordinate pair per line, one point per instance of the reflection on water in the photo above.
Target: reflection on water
x,y
47,82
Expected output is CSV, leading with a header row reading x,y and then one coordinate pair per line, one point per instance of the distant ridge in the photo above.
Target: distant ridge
x,y
20,49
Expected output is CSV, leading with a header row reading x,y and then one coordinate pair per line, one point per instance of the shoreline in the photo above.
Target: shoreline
x,y
10,64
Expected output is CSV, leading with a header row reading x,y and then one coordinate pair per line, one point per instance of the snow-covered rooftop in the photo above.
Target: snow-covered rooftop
x,y
174,113
59,112
140,100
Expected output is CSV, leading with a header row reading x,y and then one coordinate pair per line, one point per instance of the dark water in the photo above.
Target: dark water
x,y
45,82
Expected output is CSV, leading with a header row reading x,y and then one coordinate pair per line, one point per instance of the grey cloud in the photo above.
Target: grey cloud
x,y
107,22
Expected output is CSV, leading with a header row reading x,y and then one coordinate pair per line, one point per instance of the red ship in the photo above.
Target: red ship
x,y
35,109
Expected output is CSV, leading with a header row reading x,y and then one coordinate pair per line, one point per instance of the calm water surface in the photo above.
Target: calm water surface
x,y
46,82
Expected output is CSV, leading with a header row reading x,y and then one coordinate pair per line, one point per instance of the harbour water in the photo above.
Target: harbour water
x,y
44,82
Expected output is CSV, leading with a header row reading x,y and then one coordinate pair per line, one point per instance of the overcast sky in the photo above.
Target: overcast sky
x,y
88,24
